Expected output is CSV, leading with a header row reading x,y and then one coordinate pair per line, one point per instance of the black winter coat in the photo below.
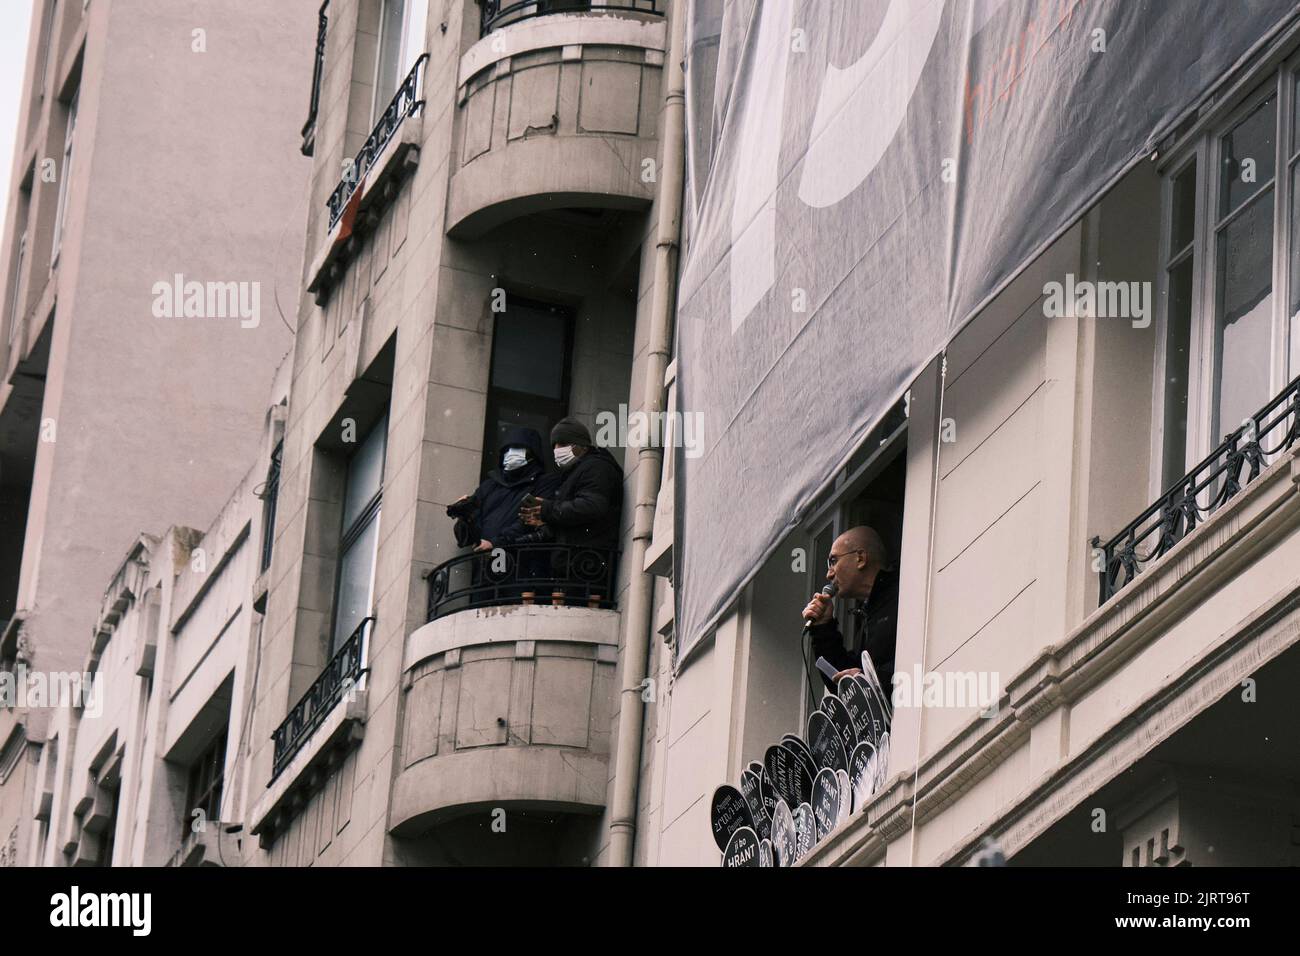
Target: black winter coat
x,y
588,504
492,512
877,633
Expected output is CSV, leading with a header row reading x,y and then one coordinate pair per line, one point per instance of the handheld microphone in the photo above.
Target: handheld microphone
x,y
830,591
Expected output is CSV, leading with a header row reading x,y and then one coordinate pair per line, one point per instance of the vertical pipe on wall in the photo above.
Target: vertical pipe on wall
x,y
639,606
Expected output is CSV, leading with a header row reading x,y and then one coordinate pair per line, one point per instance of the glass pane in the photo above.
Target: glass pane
x,y
528,354
1178,340
1295,118
390,53
1247,161
356,567
365,473
1183,218
417,22
1243,319
1293,271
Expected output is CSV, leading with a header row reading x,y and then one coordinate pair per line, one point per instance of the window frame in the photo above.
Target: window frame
x,y
1204,146
15,301
369,514
65,177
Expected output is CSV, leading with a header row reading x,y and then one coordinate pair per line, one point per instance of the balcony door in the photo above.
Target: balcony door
x,y
1228,343
402,25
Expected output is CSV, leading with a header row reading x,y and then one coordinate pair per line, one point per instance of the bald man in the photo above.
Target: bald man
x,y
859,566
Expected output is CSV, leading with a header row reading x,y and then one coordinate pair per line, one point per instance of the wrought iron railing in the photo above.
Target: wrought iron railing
x,y
497,14
309,127
1202,491
554,574
342,673
404,102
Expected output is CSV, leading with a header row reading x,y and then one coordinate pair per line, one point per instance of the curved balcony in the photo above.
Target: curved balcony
x,y
501,13
507,704
525,574
557,111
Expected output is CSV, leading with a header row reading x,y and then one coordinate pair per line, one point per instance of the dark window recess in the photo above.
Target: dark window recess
x,y
532,347
270,495
203,788
309,128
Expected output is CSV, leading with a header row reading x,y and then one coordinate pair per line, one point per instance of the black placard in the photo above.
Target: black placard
x,y
784,767
847,806
825,743
854,694
801,745
742,849
882,760
805,831
751,789
728,813
807,766
767,792
862,773
834,708
826,802
783,835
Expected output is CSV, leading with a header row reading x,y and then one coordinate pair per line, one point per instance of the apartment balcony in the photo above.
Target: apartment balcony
x,y
556,109
1261,441
497,14
370,181
508,690
318,733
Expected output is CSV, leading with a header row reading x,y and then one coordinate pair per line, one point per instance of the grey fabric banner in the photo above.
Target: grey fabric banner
x,y
863,175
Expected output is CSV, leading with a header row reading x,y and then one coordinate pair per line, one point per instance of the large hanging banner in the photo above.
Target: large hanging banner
x,y
862,176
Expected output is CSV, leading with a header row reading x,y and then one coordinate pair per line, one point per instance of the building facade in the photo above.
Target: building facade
x,y
1094,517
143,258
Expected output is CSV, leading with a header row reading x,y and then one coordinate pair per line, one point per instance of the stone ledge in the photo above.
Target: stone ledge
x,y
510,624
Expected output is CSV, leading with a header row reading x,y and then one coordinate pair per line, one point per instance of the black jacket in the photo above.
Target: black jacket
x,y
492,512
877,626
587,506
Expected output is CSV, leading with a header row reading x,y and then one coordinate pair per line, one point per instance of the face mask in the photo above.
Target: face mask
x,y
515,458
564,456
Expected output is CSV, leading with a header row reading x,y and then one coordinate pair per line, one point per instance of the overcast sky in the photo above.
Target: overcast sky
x,y
15,17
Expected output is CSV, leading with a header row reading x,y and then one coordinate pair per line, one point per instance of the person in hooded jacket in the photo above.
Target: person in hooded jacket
x,y
489,518
586,506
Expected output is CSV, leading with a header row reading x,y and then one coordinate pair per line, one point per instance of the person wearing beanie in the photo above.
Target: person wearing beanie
x,y
586,506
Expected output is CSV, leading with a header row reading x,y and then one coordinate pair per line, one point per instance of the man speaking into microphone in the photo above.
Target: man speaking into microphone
x,y
859,567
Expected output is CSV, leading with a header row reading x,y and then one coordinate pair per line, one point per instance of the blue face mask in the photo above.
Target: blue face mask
x,y
514,458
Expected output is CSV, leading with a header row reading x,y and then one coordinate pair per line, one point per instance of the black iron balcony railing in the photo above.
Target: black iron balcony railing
x,y
1202,491
497,14
309,127
342,673
404,102
555,574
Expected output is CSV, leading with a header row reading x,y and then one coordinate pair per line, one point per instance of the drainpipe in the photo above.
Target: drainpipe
x,y
639,607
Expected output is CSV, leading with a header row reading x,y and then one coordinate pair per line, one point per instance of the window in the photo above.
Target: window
x,y
270,494
15,300
318,70
204,785
47,41
363,492
401,42
65,177
529,380
1228,343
